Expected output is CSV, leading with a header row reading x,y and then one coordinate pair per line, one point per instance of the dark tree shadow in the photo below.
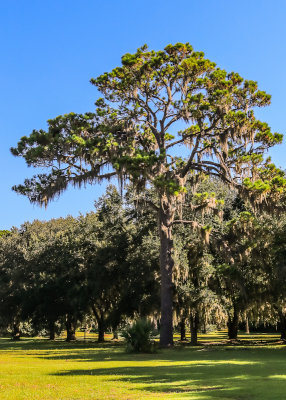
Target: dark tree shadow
x,y
228,372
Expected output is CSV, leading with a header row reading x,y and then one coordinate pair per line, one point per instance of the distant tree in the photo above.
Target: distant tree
x,y
119,270
196,298
16,250
269,256
4,233
167,116
12,278
240,268
60,281
51,274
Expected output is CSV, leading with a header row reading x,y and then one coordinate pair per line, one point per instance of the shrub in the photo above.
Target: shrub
x,y
138,337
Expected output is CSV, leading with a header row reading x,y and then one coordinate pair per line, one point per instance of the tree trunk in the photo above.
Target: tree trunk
x,y
183,329
232,325
70,327
158,324
52,330
99,316
247,326
194,325
115,334
100,324
166,218
16,332
204,328
282,317
219,326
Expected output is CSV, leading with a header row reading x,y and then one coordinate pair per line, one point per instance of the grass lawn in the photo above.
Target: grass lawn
x,y
40,370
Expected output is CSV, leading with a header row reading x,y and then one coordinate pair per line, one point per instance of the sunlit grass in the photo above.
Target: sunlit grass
x,y
42,370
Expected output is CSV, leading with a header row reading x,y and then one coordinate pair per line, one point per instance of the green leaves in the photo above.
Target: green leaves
x,y
133,132
267,183
168,185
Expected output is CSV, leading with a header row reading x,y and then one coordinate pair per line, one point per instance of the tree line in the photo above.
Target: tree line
x,y
103,269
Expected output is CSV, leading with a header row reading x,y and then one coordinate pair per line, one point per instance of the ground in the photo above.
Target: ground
x,y
37,369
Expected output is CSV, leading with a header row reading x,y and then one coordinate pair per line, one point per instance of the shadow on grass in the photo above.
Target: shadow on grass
x,y
42,343
228,372
115,351
210,373
230,379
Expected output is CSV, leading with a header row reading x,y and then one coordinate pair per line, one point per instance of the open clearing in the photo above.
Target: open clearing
x,y
37,369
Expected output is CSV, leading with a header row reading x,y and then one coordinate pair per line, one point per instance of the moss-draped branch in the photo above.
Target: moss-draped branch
x,y
155,102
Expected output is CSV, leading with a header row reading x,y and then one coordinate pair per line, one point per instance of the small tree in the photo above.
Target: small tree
x,y
53,275
138,336
120,280
155,103
240,267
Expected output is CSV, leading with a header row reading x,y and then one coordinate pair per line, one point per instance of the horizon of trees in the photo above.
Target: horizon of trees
x,y
102,269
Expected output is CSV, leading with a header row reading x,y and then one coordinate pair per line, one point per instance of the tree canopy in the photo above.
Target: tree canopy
x,y
130,129
165,117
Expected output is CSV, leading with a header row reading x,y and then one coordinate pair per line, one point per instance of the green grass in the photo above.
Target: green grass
x,y
40,370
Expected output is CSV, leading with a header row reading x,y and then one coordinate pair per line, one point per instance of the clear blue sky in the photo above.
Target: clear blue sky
x,y
50,50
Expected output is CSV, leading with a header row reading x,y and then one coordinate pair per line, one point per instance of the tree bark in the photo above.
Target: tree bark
x,y
183,329
194,326
100,323
16,332
158,324
70,327
166,217
52,334
247,326
232,325
282,317
204,328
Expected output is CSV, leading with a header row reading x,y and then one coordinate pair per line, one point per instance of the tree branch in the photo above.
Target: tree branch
x,y
195,224
149,203
190,161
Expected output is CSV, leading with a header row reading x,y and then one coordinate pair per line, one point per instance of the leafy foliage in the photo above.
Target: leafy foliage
x,y
138,336
153,104
129,132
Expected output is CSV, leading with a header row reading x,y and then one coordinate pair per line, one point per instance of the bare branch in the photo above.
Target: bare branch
x,y
190,161
174,143
108,175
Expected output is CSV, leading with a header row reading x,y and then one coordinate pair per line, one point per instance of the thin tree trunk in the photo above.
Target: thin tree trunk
x,y
194,326
70,327
52,334
204,329
282,317
233,325
183,329
166,267
247,326
100,323
115,334
219,326
16,332
158,324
